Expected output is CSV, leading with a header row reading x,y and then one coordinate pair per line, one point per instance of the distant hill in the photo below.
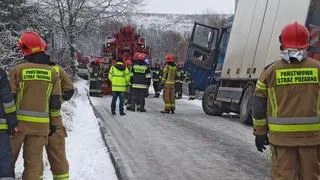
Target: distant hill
x,y
174,22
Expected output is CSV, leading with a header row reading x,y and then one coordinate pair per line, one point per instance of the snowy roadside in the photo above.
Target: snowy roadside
x,y
88,157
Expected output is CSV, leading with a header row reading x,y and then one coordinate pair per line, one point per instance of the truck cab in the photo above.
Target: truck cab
x,y
228,66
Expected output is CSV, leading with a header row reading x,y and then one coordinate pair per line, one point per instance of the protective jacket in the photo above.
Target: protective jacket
x,y
141,76
187,77
155,74
169,74
7,105
119,75
286,103
38,94
179,75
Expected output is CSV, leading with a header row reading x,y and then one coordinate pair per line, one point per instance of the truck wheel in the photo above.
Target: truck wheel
x,y
209,105
245,106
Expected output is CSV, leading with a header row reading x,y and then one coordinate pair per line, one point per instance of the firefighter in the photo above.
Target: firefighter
x,y
94,73
37,89
168,82
141,79
191,88
56,148
156,79
8,124
119,75
286,108
179,81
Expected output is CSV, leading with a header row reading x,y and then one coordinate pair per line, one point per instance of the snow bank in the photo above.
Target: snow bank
x,y
87,155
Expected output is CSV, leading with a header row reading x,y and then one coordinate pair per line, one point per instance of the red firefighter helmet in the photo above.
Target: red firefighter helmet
x,y
136,55
139,56
128,62
142,56
169,58
30,42
294,36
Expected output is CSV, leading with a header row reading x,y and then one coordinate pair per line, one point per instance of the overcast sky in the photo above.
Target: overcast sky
x,y
189,6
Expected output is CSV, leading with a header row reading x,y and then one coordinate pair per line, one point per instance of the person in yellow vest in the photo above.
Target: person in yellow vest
x,y
37,89
168,82
56,148
119,75
286,109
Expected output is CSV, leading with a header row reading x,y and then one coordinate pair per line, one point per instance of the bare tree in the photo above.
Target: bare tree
x,y
75,16
212,18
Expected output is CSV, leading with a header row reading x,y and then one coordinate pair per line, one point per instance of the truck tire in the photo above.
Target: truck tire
x,y
209,106
245,106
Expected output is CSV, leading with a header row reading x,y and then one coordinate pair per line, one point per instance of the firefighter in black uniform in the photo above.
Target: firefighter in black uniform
x,y
8,127
156,79
192,90
179,82
95,79
140,82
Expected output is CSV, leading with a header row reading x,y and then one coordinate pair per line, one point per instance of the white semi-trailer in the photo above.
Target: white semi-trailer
x,y
252,44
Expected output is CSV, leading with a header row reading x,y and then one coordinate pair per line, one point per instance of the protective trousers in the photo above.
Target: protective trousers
x,y
94,87
6,166
56,151
179,89
156,85
169,98
138,97
192,91
295,163
99,88
33,146
129,97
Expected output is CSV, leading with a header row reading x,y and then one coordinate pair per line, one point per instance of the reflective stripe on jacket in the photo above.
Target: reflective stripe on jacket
x,y
286,103
119,78
7,104
141,76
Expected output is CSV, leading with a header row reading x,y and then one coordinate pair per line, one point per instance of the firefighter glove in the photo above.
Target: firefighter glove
x,y
261,142
12,126
53,129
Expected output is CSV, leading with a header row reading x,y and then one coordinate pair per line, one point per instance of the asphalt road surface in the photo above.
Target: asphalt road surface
x,y
188,145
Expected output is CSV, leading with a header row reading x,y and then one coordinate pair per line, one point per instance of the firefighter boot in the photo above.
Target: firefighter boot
x,y
133,107
165,112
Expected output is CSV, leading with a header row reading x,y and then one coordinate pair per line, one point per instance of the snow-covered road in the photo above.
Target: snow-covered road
x,y
187,145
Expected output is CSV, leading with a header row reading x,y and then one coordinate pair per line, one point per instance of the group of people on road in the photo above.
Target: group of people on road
x,y
131,81
132,78
30,115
